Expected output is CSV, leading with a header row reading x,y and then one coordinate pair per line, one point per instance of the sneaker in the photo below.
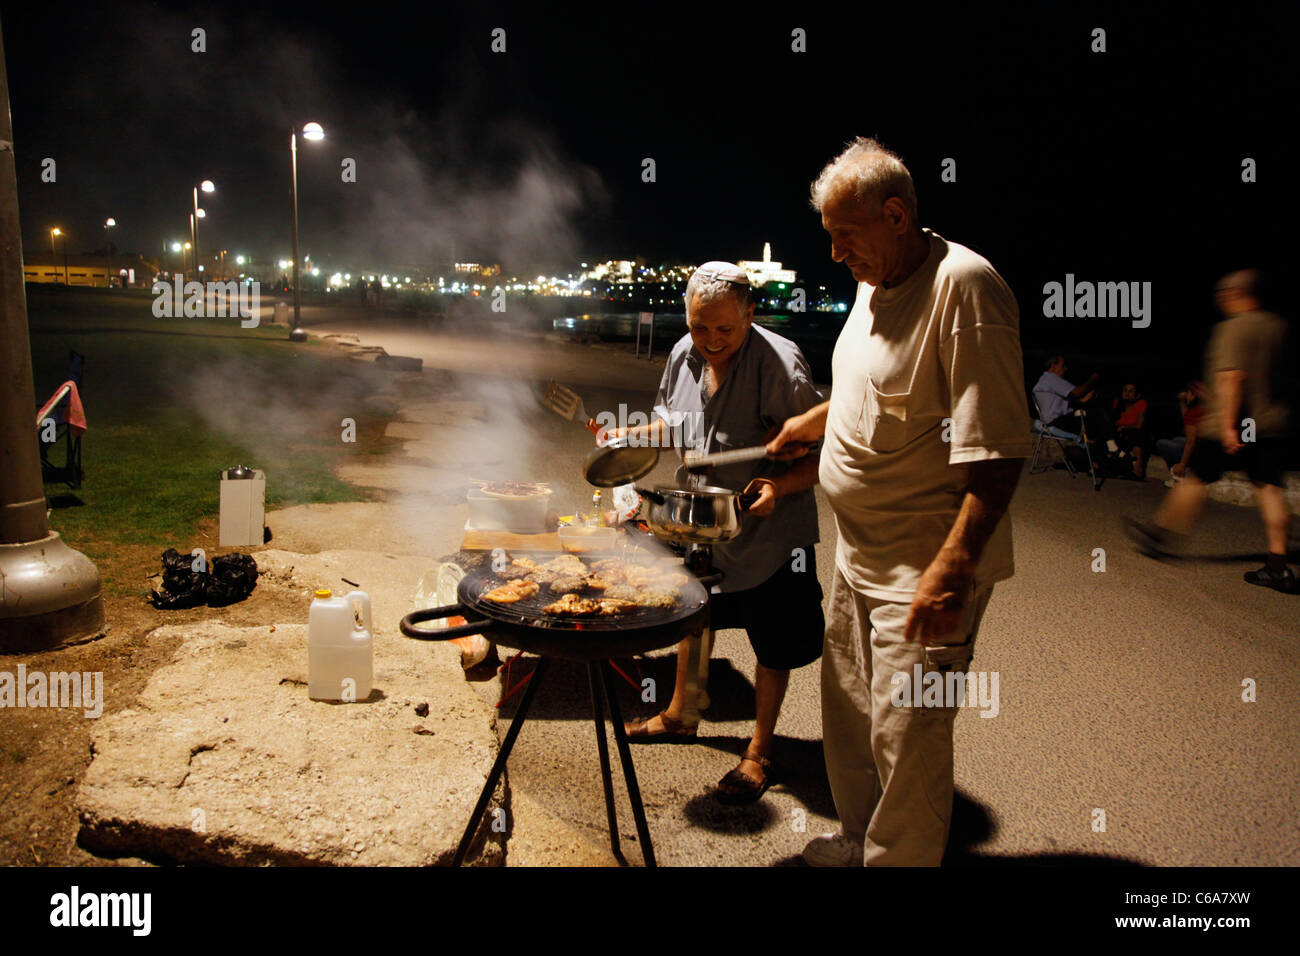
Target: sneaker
x,y
833,849
1172,480
1283,581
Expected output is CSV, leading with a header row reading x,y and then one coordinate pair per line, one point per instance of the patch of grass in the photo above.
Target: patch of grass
x,y
171,402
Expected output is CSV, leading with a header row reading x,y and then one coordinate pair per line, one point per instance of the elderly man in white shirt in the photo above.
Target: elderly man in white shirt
x,y
925,435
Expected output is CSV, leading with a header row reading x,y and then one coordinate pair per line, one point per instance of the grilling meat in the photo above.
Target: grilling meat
x,y
565,583
565,566
616,586
512,591
518,568
573,606
643,596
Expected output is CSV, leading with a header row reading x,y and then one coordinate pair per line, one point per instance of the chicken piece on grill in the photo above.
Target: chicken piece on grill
x,y
609,608
565,583
565,566
511,591
643,596
573,606
518,568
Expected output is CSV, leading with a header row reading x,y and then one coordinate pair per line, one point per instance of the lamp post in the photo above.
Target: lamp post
x,y
195,215
51,593
311,132
109,223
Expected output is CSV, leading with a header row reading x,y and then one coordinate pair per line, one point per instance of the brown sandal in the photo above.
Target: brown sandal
x,y
737,788
674,731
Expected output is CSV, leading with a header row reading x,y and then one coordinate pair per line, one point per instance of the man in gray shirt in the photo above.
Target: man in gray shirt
x,y
730,384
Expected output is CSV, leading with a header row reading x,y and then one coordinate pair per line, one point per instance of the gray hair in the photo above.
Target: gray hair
x,y
872,173
716,280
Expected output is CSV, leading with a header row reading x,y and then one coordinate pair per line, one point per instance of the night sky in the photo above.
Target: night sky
x,y
1115,166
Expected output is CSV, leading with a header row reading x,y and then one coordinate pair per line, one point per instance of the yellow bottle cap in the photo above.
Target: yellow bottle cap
x,y
323,593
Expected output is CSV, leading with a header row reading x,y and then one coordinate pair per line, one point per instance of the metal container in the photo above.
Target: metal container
x,y
697,516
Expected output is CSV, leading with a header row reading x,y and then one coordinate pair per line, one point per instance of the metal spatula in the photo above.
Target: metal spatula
x,y
567,403
695,460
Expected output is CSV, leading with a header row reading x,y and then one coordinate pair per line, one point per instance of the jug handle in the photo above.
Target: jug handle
x,y
362,598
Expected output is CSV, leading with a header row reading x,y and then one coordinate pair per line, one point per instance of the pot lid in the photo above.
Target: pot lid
x,y
619,463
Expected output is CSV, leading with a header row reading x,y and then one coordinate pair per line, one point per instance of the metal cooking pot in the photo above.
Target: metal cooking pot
x,y
696,516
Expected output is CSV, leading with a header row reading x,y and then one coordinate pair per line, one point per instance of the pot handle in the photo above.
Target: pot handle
x,y
654,496
443,634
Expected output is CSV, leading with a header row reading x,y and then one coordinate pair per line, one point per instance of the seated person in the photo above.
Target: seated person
x,y
1177,451
1057,399
1130,411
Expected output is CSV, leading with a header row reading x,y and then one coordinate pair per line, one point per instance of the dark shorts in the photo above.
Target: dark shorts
x,y
1262,460
782,616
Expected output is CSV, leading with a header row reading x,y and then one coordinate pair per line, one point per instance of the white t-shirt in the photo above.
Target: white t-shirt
x,y
1052,393
927,377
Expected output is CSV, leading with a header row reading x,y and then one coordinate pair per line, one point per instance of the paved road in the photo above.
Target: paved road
x,y
1119,691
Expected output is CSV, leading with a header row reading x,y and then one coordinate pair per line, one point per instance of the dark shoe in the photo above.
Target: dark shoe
x,y
674,731
737,788
1283,580
1150,539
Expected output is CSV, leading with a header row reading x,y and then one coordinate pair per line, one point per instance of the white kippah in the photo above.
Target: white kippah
x,y
722,270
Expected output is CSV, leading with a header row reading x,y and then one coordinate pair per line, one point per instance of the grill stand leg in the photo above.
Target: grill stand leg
x,y
629,772
499,765
598,712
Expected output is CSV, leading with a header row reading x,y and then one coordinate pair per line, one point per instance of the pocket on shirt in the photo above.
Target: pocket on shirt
x,y
883,424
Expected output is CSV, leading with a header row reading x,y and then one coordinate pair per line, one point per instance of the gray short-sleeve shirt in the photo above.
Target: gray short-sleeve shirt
x,y
768,382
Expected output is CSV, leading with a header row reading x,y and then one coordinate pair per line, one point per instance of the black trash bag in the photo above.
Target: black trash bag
x,y
233,578
183,587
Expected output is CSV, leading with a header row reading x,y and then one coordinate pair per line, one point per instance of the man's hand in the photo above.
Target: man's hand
x,y
1231,443
765,488
798,433
939,600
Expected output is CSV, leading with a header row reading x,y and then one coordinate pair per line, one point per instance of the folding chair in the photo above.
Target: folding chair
x,y
64,408
1046,435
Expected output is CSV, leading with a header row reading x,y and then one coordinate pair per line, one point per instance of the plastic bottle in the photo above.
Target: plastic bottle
x,y
340,651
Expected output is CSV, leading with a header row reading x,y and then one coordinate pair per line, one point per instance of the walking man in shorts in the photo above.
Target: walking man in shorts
x,y
1244,427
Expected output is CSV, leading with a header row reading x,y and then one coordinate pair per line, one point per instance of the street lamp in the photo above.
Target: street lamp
x,y
197,214
109,223
56,231
313,133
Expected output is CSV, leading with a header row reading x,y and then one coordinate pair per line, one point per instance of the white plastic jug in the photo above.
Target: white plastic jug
x,y
340,651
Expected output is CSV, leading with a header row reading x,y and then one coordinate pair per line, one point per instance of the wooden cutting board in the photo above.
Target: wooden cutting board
x,y
487,540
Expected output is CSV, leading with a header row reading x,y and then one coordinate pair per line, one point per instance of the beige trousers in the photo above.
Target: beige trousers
x,y
890,767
